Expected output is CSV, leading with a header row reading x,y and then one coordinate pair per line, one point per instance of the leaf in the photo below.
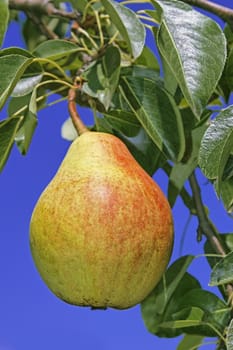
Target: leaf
x,y
161,304
4,16
79,5
190,342
148,59
24,135
68,131
128,24
216,146
182,170
26,85
8,130
61,51
194,47
193,319
222,272
227,194
12,68
157,113
229,338
102,78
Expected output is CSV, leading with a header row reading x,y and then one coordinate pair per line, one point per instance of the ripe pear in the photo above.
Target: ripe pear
x,y
101,233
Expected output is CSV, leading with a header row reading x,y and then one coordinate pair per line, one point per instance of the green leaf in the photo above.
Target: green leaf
x,y
102,78
62,52
217,145
194,47
161,305
227,194
190,342
79,5
148,59
8,131
157,113
25,133
193,319
229,338
4,16
222,272
12,68
26,85
128,24
181,171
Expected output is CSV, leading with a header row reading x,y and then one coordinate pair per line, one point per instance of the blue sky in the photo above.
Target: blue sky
x,y
31,317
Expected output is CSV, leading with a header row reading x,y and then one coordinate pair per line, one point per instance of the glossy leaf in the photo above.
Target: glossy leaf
x,y
222,272
194,47
229,338
227,194
128,25
26,85
157,113
102,78
12,68
8,131
217,145
4,16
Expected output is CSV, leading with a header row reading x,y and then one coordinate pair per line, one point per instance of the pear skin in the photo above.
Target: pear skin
x,y
101,233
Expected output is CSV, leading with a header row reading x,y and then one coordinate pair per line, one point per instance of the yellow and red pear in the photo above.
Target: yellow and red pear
x,y
101,233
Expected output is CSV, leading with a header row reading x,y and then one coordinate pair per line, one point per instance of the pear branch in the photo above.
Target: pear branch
x,y
223,12
206,227
75,117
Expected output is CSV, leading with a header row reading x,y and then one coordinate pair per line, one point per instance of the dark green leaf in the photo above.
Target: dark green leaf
x,y
157,113
128,24
4,16
222,272
194,47
79,5
217,145
161,304
182,170
102,78
12,68
8,131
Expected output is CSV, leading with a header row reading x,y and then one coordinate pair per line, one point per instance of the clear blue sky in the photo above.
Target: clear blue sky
x,y
31,317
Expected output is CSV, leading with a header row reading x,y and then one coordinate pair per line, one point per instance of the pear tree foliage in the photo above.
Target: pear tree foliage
x,y
159,75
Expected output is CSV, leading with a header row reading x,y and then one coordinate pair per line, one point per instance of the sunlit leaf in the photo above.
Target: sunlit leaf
x,y
26,85
129,26
194,47
190,342
217,145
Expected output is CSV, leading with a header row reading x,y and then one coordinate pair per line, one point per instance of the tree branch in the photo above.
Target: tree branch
x,y
42,7
223,12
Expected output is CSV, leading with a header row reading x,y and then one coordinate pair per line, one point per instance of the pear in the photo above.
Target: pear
x,y
101,233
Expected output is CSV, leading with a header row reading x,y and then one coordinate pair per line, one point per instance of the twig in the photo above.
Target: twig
x,y
41,25
223,12
77,122
42,7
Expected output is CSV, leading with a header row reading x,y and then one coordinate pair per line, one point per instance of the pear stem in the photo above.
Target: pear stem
x,y
75,117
